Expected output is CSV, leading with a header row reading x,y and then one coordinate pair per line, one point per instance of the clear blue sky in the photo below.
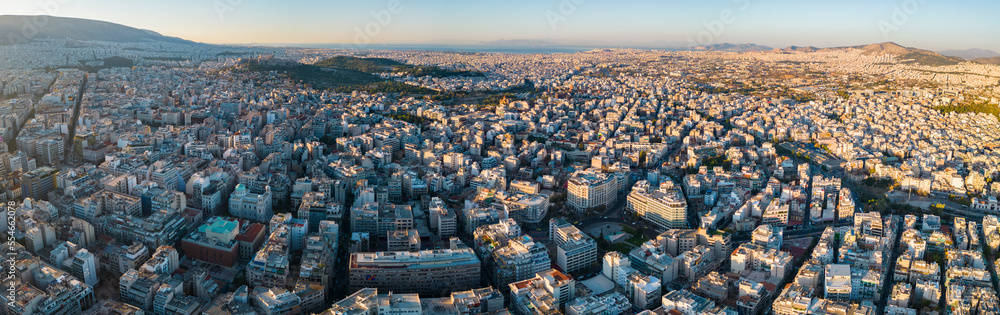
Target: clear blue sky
x,y
930,24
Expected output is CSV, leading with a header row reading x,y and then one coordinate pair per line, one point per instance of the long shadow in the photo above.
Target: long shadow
x,y
68,145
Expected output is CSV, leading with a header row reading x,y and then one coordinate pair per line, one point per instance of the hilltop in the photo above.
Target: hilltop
x,y
732,47
51,27
971,54
909,54
327,78
806,49
902,53
988,61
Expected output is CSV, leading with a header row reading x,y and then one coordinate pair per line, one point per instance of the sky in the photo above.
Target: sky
x,y
928,24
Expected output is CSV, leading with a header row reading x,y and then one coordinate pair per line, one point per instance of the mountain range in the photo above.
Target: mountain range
x,y
971,54
902,53
732,47
910,55
22,28
91,30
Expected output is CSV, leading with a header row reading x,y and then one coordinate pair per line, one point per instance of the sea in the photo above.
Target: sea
x,y
510,49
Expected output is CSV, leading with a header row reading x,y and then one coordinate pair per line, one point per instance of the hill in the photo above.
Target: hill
x,y
369,65
380,65
908,54
887,48
326,78
970,54
51,27
989,61
732,47
807,49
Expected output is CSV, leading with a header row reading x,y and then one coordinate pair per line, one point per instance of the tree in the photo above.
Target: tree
x,y
642,159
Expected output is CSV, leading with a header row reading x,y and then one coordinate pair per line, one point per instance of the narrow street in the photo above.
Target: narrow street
x,y
887,282
68,146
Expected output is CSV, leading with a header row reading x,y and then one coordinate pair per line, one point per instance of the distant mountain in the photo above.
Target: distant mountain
x,y
988,61
971,54
908,54
75,29
807,49
887,48
732,47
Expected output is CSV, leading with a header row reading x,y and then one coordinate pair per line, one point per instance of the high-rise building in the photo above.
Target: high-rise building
x,y
52,291
314,208
871,223
476,216
140,288
16,161
364,218
767,236
49,151
521,259
159,228
403,240
270,266
588,189
85,267
845,205
837,284
442,218
127,258
165,174
665,207
103,202
643,290
316,269
38,183
575,250
527,209
546,293
165,261
156,198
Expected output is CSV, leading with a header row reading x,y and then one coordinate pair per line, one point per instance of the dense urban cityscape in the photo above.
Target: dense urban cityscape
x,y
161,176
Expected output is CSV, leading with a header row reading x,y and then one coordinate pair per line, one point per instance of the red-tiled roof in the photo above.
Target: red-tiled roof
x,y
251,233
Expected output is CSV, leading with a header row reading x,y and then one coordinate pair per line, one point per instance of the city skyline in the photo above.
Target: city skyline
x,y
562,157
924,24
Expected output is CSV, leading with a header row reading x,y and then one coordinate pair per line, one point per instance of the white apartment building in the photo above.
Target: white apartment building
x,y
665,207
589,189
837,282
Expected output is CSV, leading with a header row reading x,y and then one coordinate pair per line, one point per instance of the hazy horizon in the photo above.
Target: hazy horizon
x,y
934,25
